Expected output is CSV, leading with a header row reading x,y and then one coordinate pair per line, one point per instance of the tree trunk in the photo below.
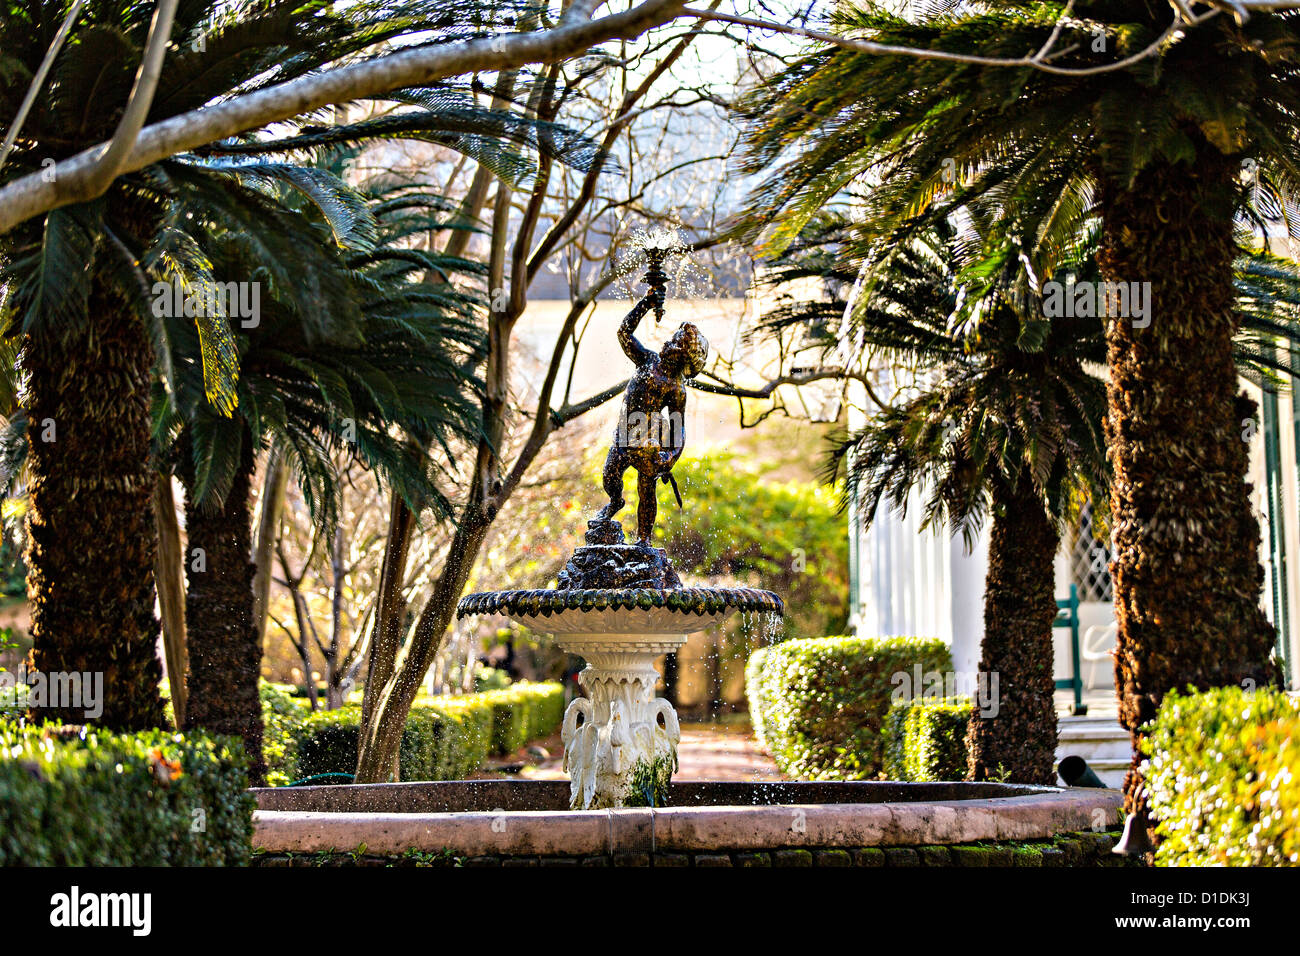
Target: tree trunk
x,y
225,652
333,673
1186,569
390,611
169,579
90,555
1018,743
382,735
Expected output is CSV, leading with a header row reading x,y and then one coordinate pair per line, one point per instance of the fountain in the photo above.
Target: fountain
x,y
620,605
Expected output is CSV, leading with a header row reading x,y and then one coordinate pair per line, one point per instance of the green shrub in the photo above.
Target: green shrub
x,y
509,721
282,715
463,737
445,738
86,797
821,702
925,739
753,689
524,712
1223,778
328,742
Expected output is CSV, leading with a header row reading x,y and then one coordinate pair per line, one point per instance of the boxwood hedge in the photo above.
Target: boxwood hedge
x,y
1223,778
73,796
818,704
925,739
446,738
524,712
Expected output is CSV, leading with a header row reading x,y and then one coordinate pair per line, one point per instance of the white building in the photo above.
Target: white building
x,y
907,581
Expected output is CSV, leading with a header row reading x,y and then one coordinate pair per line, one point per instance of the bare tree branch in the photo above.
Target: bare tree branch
x,y
1038,61
110,162
39,192
39,80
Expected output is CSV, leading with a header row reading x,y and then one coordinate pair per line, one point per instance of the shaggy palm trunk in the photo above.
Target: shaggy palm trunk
x,y
90,555
1018,741
1186,572
224,648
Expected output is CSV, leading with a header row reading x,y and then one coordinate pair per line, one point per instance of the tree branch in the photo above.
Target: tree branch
x,y
33,194
110,162
1038,61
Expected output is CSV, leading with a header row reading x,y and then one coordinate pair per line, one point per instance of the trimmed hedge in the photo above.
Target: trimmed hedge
x,y
1223,778
819,703
72,796
524,712
753,690
925,739
445,738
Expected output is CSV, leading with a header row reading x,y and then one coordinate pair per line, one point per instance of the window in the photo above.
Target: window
x,y
1090,561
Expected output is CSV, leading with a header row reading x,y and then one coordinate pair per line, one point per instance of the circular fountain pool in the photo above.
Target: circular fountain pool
x,y
706,823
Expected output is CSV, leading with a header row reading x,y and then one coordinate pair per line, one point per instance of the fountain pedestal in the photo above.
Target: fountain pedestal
x,y
620,743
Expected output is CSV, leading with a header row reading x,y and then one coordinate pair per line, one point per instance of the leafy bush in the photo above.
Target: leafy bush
x,y
462,734
524,712
925,739
282,714
790,537
753,676
328,742
822,701
445,738
490,678
1223,778
74,796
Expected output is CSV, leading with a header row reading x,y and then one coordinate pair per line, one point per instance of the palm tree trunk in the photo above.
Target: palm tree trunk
x,y
1186,569
1018,742
225,651
91,530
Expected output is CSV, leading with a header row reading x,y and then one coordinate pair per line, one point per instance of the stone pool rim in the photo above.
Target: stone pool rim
x,y
1029,813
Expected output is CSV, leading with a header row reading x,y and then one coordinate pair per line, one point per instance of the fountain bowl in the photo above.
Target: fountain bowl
x,y
595,610
620,743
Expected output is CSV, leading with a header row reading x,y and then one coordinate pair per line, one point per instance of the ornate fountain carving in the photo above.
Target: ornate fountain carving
x,y
620,744
621,605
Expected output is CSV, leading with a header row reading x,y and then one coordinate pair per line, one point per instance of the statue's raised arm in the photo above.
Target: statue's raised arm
x,y
632,347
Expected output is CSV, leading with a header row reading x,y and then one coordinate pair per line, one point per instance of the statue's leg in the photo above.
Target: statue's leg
x,y
647,506
615,464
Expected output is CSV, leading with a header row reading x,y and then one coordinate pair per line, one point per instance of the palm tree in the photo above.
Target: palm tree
x,y
972,421
397,369
1156,148
1002,419
80,299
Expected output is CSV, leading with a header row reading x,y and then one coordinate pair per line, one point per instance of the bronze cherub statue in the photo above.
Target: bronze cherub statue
x,y
646,439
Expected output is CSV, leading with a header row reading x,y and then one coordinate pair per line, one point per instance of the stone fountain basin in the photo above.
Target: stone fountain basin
x,y
615,610
523,818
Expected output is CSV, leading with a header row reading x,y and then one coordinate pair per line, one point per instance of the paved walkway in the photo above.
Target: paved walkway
x,y
1101,702
706,752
